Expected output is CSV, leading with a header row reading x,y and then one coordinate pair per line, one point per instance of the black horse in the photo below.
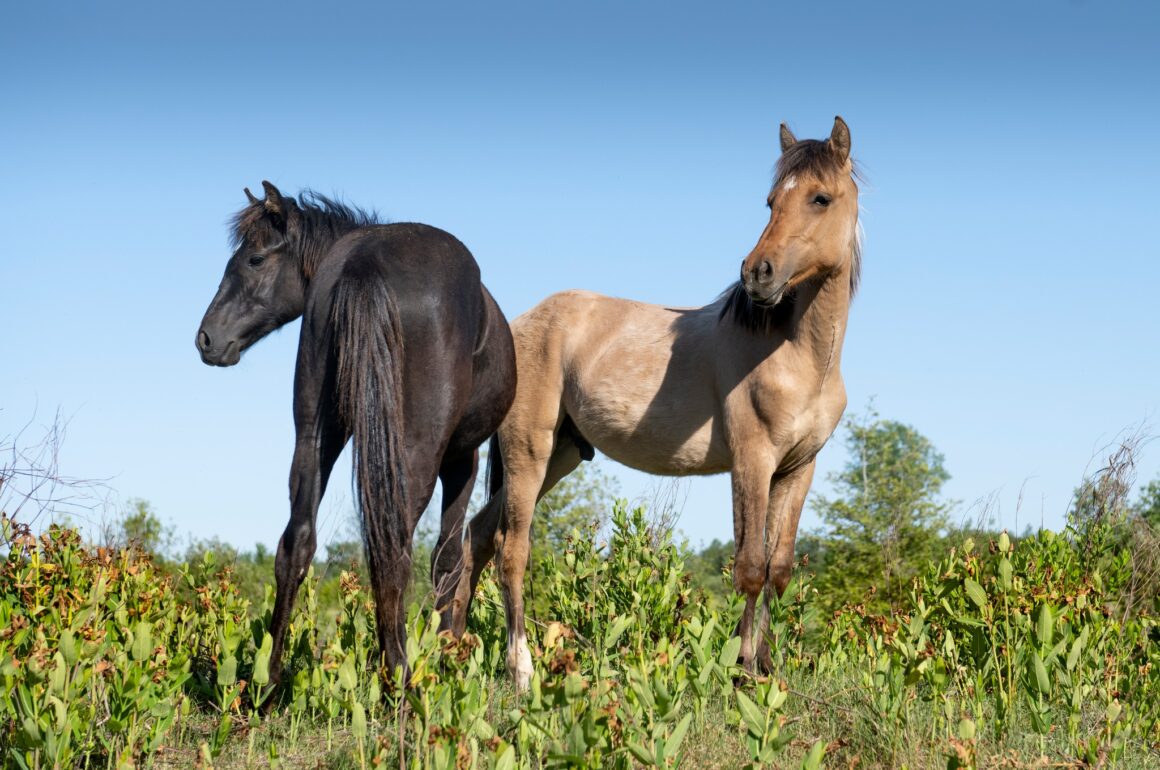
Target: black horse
x,y
401,347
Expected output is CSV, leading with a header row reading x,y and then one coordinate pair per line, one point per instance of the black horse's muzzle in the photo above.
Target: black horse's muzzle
x,y
217,352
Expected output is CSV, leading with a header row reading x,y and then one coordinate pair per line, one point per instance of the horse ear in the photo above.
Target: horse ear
x,y
840,138
787,138
273,199
249,195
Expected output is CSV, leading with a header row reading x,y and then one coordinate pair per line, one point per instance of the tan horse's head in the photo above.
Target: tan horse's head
x,y
813,218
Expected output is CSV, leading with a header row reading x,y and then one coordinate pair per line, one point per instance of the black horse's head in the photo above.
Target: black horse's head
x,y
264,285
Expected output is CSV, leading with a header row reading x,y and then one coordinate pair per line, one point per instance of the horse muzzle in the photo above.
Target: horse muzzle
x,y
214,353
761,284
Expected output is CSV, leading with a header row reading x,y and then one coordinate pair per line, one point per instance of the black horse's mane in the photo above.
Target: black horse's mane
x,y
308,217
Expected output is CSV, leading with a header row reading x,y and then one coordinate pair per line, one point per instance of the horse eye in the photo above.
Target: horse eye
x,y
822,199
255,260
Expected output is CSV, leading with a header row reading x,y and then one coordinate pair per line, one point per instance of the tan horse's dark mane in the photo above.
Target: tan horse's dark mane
x,y
747,314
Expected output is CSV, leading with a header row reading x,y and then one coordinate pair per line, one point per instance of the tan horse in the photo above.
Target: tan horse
x,y
750,384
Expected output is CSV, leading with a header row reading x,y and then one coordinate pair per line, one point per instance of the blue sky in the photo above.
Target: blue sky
x,y
1008,308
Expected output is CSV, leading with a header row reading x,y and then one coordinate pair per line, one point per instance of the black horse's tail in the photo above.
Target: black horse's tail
x,y
369,342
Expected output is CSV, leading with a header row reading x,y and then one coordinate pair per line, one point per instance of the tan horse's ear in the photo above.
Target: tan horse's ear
x,y
840,138
273,198
249,195
787,138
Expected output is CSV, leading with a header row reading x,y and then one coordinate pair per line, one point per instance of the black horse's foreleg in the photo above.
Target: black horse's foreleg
x,y
458,479
315,452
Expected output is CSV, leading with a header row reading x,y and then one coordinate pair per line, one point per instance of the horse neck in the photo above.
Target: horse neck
x,y
819,324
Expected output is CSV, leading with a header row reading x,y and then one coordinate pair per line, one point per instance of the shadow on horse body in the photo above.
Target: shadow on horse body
x,y
749,385
402,348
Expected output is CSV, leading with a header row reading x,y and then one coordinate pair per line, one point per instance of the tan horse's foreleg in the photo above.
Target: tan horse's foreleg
x,y
786,499
751,483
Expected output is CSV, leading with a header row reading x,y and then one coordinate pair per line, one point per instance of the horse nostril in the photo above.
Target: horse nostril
x,y
203,341
765,271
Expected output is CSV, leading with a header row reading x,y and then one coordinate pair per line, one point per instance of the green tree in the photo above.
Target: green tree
x,y
887,519
706,568
1147,505
139,526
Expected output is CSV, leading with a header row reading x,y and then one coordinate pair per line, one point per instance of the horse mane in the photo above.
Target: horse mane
x,y
747,314
312,221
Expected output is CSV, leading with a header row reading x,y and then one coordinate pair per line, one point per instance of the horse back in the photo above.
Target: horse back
x,y
451,331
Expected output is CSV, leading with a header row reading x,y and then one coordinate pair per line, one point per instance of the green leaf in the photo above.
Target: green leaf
x,y
1077,648
813,760
674,743
729,652
346,675
358,721
1042,680
142,641
1005,577
640,752
68,647
975,593
1045,626
506,759
227,672
618,628
261,674
753,716
967,729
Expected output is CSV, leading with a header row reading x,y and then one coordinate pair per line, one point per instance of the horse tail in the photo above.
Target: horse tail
x,y
369,343
494,467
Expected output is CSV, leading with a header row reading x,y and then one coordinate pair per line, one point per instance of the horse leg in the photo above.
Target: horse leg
x,y
458,479
320,438
751,482
485,536
483,540
523,481
786,499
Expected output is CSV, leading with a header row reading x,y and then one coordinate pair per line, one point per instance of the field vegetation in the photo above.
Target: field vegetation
x,y
901,642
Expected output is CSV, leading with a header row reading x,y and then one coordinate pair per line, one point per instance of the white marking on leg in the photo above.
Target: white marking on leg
x,y
519,661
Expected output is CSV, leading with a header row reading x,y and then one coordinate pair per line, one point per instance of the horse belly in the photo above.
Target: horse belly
x,y
649,437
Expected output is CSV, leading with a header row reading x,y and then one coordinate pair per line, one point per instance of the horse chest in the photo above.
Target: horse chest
x,y
788,424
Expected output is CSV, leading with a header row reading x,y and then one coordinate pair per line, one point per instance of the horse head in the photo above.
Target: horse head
x,y
813,218
263,287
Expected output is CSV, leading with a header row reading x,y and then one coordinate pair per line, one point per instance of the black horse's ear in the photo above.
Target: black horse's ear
x,y
840,138
273,199
787,138
249,195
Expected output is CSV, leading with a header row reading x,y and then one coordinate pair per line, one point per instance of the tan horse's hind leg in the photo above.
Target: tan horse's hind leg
x,y
485,536
786,500
527,478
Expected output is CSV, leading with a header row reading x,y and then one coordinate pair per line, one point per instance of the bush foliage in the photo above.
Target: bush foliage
x,y
998,652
